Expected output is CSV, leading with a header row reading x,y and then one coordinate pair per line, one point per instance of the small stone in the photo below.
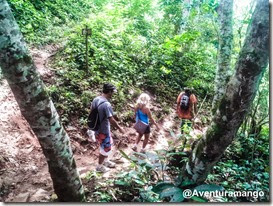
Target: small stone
x,y
23,197
133,133
8,180
70,128
39,195
34,169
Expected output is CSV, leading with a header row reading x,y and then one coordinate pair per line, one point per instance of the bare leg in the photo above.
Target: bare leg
x,y
145,142
138,138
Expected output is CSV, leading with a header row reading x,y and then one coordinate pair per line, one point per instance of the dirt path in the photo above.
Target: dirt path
x,y
24,174
23,168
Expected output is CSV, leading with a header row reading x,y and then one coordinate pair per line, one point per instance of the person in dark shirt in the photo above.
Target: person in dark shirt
x,y
103,134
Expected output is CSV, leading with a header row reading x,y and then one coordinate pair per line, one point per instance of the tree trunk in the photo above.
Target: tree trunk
x,y
241,90
225,49
37,108
184,17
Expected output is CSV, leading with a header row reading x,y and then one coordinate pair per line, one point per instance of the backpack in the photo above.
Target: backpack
x,y
93,121
185,102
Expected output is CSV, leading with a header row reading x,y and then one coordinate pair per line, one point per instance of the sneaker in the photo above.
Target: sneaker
x,y
101,168
109,164
134,148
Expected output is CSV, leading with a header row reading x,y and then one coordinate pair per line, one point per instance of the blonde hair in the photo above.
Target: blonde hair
x,y
143,100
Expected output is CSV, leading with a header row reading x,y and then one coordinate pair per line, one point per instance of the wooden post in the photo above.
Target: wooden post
x,y
86,49
87,32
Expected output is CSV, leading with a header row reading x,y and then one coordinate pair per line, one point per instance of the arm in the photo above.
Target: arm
x,y
179,100
195,108
110,115
194,105
135,111
115,124
151,118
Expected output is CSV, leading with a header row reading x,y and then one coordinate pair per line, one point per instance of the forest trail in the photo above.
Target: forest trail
x,y
24,174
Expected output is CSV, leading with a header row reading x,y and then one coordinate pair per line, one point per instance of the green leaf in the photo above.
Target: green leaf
x,y
125,155
140,182
199,199
186,183
122,183
225,183
150,196
161,186
172,134
176,153
140,155
133,174
174,193
211,187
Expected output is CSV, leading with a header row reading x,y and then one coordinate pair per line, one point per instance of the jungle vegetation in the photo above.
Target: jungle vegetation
x,y
162,46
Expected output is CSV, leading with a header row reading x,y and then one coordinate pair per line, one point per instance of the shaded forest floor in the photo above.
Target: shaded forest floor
x,y
24,174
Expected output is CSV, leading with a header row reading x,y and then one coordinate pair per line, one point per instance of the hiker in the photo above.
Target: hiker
x,y
142,116
186,107
103,134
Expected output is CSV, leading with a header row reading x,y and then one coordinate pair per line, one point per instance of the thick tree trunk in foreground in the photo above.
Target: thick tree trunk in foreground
x,y
37,108
225,50
241,90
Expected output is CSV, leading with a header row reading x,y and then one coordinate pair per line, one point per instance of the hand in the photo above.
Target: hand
x,y
116,117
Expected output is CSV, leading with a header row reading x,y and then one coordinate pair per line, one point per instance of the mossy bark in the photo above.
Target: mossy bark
x,y
223,72
241,90
37,108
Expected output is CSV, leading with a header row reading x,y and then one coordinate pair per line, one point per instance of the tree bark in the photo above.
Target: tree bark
x,y
241,90
184,17
223,72
37,108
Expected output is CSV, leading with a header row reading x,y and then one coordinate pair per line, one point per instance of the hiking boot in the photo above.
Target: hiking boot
x,y
101,168
142,151
109,164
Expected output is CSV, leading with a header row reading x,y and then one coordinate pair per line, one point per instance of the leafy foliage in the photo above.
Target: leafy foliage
x,y
132,57
142,183
138,45
40,21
